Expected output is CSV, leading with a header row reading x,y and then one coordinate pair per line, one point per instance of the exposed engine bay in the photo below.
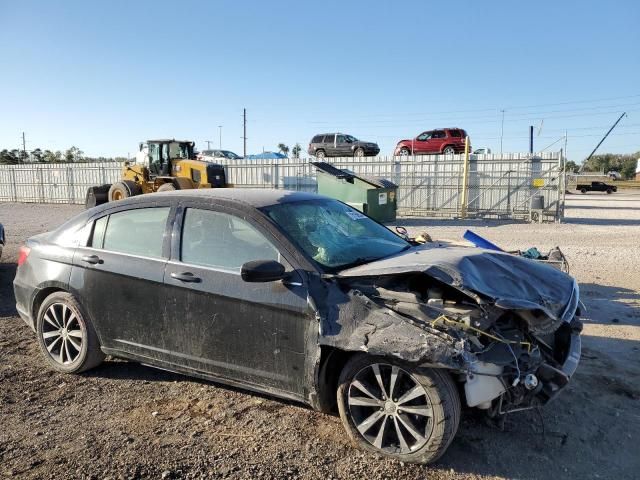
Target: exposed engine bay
x,y
508,354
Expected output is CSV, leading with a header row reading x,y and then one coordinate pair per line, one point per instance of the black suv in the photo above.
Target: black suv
x,y
341,145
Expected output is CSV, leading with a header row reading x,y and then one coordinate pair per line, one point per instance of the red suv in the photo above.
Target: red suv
x,y
446,141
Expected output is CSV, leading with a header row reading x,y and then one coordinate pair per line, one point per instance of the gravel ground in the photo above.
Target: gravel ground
x,y
124,420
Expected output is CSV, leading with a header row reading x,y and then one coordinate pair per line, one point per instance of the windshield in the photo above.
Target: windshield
x,y
230,155
180,150
351,139
334,234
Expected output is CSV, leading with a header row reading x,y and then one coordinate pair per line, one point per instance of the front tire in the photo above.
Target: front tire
x,y
166,187
123,189
66,336
358,152
396,410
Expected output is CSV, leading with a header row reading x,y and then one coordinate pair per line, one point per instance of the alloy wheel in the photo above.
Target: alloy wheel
x,y
390,408
62,333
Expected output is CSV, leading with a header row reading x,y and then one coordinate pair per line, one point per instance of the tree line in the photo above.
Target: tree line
x,y
624,164
38,155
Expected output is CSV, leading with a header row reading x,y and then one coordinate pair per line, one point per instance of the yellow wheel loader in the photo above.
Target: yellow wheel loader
x,y
160,165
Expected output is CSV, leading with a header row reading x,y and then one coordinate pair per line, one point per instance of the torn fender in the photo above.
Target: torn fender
x,y
509,281
353,322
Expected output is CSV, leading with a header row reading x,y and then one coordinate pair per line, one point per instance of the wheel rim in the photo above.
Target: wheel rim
x,y
449,151
62,333
359,152
390,409
118,195
319,154
404,153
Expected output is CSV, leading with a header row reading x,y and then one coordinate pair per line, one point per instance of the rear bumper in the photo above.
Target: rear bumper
x,y
23,296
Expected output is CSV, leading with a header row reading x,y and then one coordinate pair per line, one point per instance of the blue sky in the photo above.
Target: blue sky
x,y
105,75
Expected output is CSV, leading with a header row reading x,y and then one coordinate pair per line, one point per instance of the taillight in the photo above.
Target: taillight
x,y
23,253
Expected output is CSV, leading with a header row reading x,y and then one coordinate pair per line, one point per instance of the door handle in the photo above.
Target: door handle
x,y
92,259
187,277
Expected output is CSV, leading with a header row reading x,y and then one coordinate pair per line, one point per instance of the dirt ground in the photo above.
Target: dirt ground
x,y
124,420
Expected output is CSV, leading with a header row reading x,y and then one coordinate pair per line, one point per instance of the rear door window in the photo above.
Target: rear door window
x,y
439,134
223,241
135,232
99,227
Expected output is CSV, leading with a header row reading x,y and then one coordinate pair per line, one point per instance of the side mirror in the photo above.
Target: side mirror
x,y
262,271
402,232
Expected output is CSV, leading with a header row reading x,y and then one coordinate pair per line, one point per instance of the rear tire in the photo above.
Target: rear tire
x,y
583,190
416,430
166,187
320,154
66,336
449,150
405,152
123,189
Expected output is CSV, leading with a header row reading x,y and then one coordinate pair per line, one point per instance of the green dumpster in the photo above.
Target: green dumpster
x,y
374,197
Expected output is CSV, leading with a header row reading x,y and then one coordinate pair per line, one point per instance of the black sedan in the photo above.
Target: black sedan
x,y
302,297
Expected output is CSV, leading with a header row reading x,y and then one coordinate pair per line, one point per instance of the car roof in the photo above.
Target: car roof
x,y
254,197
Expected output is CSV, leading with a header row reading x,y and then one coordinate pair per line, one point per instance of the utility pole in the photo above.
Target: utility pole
x,y
501,131
531,139
244,130
220,143
208,144
24,148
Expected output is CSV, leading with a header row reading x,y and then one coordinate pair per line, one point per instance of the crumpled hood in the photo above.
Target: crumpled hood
x,y
510,281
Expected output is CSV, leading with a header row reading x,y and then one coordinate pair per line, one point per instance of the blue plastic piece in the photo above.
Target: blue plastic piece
x,y
480,242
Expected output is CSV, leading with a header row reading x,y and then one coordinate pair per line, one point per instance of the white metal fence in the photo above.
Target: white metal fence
x,y
499,186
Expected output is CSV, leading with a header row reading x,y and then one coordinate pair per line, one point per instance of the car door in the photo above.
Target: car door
x,y
343,148
253,333
421,143
437,141
118,277
329,145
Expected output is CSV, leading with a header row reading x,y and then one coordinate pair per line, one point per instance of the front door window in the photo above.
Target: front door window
x,y
222,241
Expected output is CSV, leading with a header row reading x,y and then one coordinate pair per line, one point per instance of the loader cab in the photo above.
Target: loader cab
x,y
162,152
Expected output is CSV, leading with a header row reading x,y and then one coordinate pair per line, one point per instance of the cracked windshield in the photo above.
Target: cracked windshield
x,y
334,234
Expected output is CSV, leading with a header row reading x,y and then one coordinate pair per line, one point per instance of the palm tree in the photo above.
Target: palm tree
x,y
296,150
282,148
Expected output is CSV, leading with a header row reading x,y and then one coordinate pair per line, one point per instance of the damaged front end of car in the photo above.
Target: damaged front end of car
x,y
507,328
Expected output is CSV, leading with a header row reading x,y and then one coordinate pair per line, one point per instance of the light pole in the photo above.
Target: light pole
x,y
220,131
